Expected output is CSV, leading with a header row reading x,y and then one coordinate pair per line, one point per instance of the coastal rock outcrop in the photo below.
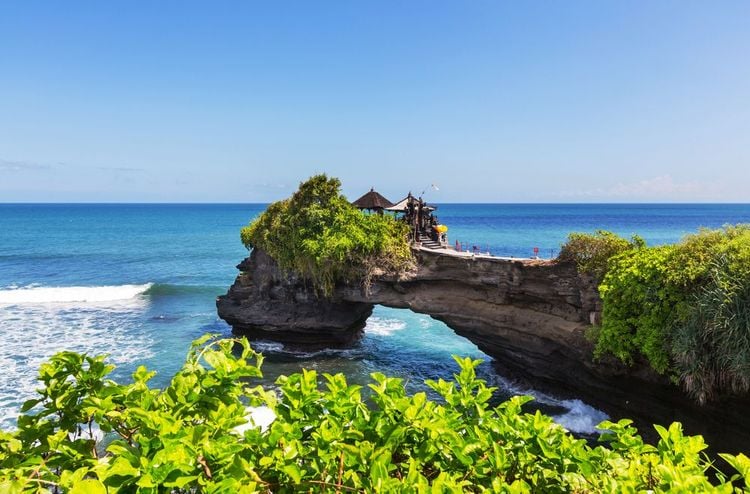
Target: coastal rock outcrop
x,y
531,316
534,308
263,302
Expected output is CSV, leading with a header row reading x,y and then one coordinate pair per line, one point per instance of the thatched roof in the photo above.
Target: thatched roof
x,y
372,200
401,205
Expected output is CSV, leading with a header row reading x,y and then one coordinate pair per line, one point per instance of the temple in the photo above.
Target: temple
x,y
425,229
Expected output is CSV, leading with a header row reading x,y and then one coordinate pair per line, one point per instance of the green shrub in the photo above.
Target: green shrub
x,y
685,308
711,348
326,437
319,235
696,254
638,307
591,252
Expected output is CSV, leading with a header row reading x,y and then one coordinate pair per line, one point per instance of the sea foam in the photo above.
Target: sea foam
x,y
578,417
37,322
384,326
71,294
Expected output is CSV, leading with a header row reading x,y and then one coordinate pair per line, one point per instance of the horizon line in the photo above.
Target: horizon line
x,y
206,203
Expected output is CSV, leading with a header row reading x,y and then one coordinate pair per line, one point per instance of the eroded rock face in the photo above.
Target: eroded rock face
x,y
529,315
265,303
519,311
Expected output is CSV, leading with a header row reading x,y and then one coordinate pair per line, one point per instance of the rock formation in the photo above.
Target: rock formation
x,y
265,303
529,315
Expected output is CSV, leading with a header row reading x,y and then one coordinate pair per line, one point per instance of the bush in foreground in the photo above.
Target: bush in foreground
x,y
185,438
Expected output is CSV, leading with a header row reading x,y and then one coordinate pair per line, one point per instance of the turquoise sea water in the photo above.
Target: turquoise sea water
x,y
139,282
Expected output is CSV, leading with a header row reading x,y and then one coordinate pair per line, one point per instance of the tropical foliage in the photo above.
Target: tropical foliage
x,y
685,308
193,437
319,235
640,306
591,252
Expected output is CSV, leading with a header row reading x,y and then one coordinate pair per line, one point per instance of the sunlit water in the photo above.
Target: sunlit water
x,y
139,282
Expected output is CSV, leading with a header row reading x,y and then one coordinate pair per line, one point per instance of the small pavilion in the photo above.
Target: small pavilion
x,y
403,205
373,201
417,214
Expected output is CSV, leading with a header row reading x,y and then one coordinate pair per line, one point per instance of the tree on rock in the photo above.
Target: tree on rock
x,y
318,235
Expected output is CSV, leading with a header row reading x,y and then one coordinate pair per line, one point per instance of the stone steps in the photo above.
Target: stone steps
x,y
429,243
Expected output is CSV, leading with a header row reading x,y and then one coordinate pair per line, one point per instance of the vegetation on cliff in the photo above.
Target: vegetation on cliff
x,y
319,235
192,437
685,308
591,252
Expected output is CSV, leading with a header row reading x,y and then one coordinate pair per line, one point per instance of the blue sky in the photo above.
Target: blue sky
x,y
492,101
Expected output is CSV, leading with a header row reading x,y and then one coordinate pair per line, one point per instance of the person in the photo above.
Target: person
x,y
420,216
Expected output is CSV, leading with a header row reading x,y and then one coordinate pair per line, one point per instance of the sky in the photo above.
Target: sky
x,y
492,101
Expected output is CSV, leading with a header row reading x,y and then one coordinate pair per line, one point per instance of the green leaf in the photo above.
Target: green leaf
x,y
181,482
121,466
741,463
88,486
293,471
29,404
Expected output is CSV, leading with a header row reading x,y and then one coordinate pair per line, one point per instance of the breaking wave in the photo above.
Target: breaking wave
x,y
275,349
384,326
168,289
71,294
37,322
578,416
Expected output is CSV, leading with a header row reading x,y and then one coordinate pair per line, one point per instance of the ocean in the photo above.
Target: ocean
x,y
139,281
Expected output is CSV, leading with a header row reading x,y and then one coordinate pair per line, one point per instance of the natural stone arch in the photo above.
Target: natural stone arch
x,y
522,311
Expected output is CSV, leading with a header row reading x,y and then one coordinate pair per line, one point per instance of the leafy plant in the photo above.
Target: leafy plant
x,y
591,252
639,307
696,254
684,307
193,437
319,235
712,347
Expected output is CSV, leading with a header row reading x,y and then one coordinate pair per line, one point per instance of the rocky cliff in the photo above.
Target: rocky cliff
x,y
529,315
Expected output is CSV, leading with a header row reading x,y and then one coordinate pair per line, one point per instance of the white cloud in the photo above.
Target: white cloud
x,y
121,169
20,166
660,188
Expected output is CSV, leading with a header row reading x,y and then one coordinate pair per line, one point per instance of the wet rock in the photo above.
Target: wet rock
x,y
265,303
